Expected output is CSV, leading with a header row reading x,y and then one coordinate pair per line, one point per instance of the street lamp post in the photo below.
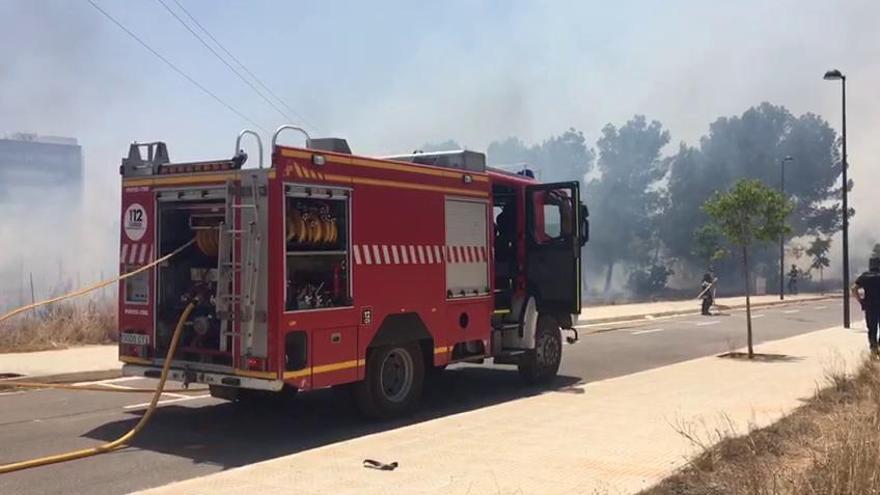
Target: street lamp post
x,y
836,75
782,236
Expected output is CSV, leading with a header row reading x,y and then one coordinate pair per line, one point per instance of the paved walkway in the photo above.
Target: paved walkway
x,y
613,436
618,312
61,362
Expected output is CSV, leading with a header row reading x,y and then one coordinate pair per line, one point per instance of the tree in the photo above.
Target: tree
x,y
875,253
749,214
558,158
626,200
707,244
751,145
818,252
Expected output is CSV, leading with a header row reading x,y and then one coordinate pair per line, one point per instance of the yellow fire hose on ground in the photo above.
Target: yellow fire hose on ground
x,y
12,383
157,393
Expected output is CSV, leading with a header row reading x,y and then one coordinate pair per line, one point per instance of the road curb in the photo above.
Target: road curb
x,y
650,316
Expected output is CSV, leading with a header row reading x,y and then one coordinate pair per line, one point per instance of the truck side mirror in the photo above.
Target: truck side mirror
x,y
585,224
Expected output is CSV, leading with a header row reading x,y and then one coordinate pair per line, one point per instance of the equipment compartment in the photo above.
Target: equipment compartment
x,y
317,248
193,270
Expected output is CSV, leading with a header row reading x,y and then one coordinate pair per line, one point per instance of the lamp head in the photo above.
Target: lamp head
x,y
833,75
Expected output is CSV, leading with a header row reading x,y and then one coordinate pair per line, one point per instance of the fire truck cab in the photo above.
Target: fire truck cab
x,y
328,269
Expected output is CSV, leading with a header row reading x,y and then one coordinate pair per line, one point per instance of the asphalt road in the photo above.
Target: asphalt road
x,y
198,435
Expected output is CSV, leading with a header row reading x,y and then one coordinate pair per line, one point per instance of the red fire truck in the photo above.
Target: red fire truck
x,y
326,269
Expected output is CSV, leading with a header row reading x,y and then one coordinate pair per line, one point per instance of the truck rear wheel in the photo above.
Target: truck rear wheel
x,y
542,363
393,383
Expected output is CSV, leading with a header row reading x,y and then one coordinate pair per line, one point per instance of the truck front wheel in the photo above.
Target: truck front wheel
x,y
392,383
542,363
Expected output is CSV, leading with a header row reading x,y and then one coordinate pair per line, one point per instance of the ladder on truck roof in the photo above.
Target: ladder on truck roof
x,y
237,280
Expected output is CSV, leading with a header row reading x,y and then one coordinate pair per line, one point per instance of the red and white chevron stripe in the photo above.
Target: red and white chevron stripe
x,y
417,254
138,253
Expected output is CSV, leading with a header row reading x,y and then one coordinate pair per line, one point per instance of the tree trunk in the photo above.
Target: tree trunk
x,y
609,271
748,302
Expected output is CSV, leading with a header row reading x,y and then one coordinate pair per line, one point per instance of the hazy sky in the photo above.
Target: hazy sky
x,y
389,76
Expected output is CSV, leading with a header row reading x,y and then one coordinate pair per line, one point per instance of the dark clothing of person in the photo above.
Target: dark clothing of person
x,y
870,283
792,281
707,303
872,318
708,294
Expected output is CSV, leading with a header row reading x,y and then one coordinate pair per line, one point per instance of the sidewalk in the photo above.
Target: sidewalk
x,y
613,436
621,312
86,359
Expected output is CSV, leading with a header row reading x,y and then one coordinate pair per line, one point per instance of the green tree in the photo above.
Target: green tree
x,y
751,145
626,200
818,253
708,244
749,214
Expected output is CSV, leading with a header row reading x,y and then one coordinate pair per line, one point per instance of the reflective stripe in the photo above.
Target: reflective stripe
x,y
357,254
385,254
376,255
367,257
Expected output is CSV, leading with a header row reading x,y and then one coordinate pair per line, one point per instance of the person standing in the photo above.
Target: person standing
x,y
793,280
866,289
708,292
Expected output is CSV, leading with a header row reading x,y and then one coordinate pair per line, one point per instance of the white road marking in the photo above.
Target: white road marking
x,y
109,380
642,332
169,401
820,307
707,323
113,385
791,311
758,316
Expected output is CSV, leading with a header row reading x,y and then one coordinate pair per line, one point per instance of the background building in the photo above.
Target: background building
x,y
33,165
41,204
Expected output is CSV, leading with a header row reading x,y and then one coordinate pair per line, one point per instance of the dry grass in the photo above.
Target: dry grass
x,y
831,445
60,325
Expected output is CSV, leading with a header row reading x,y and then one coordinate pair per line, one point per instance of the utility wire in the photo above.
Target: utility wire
x,y
174,67
244,67
227,64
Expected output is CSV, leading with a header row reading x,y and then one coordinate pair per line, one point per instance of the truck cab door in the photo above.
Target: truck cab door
x,y
554,238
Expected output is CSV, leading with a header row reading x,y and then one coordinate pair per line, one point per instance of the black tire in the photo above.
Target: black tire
x,y
393,384
542,364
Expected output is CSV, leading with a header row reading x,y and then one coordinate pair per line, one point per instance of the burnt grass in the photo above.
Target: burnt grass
x,y
830,445
60,325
